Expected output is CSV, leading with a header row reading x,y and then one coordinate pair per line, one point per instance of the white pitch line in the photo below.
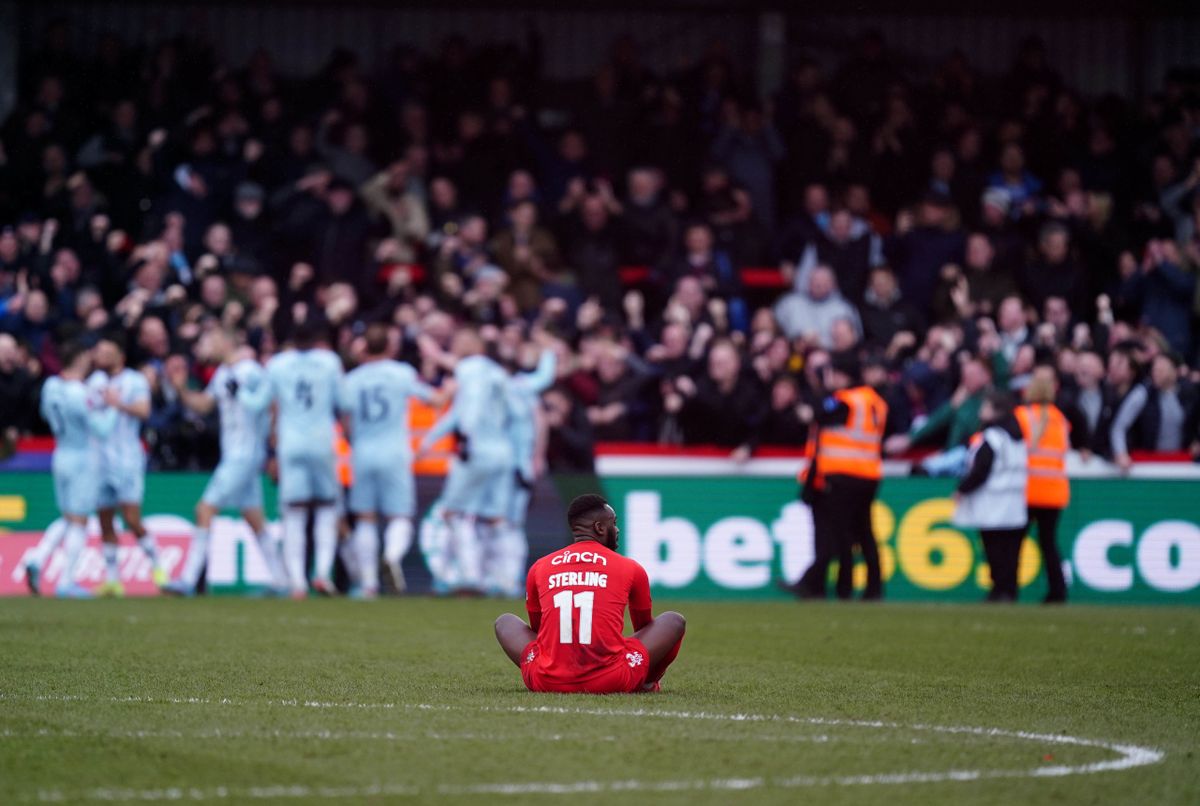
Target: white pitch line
x,y
1129,756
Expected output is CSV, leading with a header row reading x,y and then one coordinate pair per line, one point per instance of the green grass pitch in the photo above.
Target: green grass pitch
x,y
411,701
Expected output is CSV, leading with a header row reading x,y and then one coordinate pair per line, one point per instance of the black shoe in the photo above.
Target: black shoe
x,y
1055,600
799,591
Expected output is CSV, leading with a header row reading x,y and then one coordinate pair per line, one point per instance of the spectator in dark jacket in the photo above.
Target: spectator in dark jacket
x,y
723,407
918,254
1056,272
648,225
1158,416
885,312
339,240
1160,293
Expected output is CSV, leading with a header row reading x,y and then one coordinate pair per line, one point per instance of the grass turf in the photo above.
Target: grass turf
x,y
412,701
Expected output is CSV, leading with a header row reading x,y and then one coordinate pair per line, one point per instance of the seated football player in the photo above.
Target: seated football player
x,y
576,598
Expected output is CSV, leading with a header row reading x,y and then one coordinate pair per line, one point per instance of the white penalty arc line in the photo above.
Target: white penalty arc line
x,y
1128,756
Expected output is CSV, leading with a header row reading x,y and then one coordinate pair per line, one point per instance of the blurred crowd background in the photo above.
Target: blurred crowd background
x,y
697,250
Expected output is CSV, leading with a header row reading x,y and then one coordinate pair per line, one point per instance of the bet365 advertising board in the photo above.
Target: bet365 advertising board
x,y
1121,540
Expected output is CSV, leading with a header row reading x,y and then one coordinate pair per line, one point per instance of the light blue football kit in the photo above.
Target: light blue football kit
x,y
374,398
305,386
122,457
78,419
242,394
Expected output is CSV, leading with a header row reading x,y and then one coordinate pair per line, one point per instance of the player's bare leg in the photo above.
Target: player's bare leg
x,y
514,635
109,546
662,638
131,513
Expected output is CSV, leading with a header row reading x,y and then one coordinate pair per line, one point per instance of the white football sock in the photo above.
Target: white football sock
x,y
366,552
397,539
110,562
196,557
468,554
73,540
513,549
147,545
295,521
325,537
53,535
270,552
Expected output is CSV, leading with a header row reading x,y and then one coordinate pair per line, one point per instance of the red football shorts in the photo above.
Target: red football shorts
x,y
625,675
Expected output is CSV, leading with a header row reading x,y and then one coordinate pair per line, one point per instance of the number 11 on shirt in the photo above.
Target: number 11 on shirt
x,y
563,603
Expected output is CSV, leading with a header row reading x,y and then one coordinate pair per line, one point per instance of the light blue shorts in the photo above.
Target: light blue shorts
x,y
476,488
386,488
123,485
307,477
235,484
76,484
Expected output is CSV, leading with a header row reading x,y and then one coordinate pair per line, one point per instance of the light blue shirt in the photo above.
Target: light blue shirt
x,y
245,420
123,448
78,417
305,387
524,392
374,398
480,407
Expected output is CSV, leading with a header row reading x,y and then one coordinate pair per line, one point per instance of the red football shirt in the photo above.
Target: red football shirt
x,y
576,598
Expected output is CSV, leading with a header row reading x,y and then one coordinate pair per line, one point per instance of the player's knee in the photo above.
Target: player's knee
x,y
675,621
502,624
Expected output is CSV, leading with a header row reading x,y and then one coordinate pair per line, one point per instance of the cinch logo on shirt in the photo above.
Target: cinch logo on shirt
x,y
580,557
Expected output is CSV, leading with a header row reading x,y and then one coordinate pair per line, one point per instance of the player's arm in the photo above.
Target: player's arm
x,y
445,424
254,390
533,604
641,610
198,401
139,407
542,376
101,418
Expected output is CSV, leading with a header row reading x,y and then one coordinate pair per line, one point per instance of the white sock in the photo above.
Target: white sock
x,y
110,562
147,545
397,539
467,551
53,535
513,550
74,541
326,539
197,556
366,552
433,539
294,522
270,553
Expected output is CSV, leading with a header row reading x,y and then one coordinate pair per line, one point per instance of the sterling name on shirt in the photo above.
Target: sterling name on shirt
x,y
573,579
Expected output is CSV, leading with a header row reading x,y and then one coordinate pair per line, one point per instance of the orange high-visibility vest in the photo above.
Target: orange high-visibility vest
x,y
421,418
341,449
1047,436
853,449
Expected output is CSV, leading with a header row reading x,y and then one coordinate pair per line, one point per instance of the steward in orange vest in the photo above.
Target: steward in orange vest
x,y
1048,438
842,477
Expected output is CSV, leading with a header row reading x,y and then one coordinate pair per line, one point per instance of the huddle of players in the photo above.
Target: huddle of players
x,y
474,537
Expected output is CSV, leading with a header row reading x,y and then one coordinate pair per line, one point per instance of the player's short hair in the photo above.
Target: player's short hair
x,y
115,338
308,333
376,338
69,352
585,507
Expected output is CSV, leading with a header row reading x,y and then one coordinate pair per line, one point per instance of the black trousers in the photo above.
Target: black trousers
x,y
1003,549
1046,520
841,522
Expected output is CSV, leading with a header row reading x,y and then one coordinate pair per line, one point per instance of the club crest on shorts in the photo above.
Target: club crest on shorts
x,y
532,654
634,658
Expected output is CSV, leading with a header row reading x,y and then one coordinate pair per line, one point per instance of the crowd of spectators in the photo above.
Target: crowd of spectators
x,y
952,229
